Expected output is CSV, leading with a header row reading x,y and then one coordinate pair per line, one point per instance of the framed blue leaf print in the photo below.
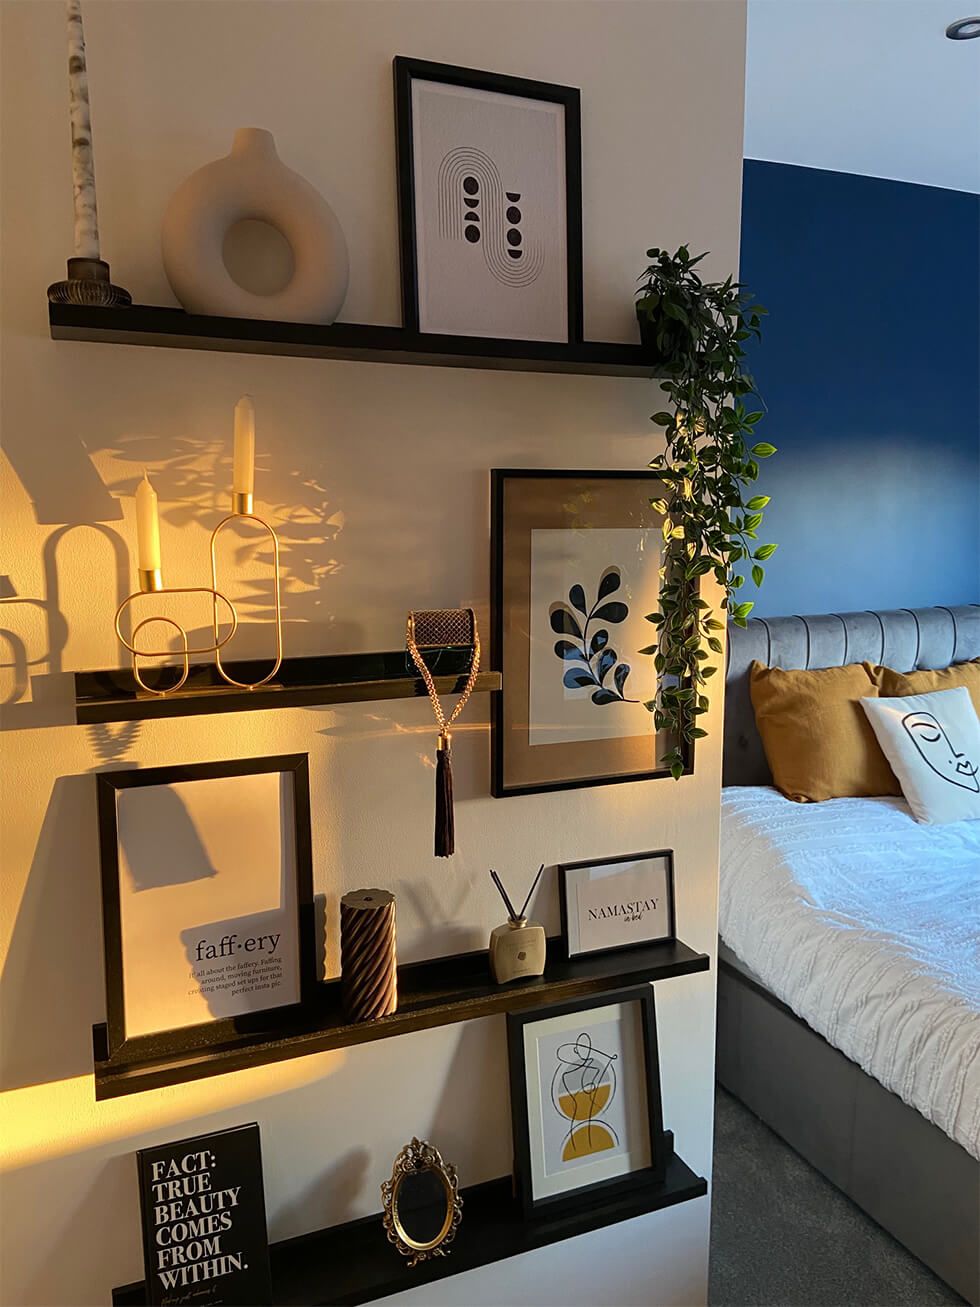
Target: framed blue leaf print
x,y
576,580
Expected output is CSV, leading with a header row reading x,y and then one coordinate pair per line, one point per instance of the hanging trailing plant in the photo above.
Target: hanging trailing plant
x,y
711,519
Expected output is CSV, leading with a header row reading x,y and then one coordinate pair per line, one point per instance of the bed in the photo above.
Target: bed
x,y
849,999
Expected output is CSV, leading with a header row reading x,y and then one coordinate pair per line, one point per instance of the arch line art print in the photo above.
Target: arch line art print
x,y
474,207
489,203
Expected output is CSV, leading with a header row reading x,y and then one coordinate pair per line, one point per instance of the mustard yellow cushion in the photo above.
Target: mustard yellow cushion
x,y
898,685
818,741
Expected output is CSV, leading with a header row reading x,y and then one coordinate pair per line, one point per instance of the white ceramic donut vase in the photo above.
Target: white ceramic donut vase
x,y
252,182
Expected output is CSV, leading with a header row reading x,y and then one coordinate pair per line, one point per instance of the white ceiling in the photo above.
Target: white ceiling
x,y
865,86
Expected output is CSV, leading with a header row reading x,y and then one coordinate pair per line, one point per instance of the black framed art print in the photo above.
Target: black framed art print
x,y
490,203
576,562
585,1099
207,899
205,1239
609,904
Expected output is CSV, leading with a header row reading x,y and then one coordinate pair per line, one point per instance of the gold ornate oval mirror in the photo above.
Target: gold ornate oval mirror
x,y
422,1206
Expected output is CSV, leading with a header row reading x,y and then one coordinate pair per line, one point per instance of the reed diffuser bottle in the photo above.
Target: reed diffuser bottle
x,y
517,948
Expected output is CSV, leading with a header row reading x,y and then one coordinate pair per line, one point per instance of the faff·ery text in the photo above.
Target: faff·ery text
x,y
231,944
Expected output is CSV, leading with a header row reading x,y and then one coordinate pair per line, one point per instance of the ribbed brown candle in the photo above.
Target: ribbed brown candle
x,y
368,964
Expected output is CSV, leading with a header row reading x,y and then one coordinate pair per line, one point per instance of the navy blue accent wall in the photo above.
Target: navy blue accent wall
x,y
870,367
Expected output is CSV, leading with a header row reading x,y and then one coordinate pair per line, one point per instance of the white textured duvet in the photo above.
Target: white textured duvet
x,y
868,926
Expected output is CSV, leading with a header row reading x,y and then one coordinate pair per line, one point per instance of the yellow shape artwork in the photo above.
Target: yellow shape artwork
x,y
586,1139
591,1136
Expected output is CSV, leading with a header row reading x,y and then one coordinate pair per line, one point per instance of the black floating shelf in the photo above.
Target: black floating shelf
x,y
114,696
147,324
437,992
353,1263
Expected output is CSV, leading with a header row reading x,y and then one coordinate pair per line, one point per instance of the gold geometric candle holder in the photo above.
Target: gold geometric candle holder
x,y
242,508
151,582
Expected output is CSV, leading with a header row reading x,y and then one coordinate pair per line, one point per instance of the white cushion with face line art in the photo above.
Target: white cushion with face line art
x,y
932,742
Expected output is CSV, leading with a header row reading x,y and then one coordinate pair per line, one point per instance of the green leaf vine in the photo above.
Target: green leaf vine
x,y
711,518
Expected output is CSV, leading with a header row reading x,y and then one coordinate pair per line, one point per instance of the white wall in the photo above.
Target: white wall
x,y
378,479
865,86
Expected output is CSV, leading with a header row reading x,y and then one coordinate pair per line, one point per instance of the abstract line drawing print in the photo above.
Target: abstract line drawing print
x,y
583,1088
474,206
936,750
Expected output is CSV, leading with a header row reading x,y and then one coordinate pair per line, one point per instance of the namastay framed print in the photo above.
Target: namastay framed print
x,y
616,903
576,562
490,203
205,1238
207,894
585,1098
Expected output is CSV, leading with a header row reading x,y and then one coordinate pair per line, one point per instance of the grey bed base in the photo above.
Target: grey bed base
x,y
920,1185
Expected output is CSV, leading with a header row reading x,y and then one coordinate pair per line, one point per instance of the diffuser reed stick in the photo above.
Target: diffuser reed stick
x,y
518,947
512,915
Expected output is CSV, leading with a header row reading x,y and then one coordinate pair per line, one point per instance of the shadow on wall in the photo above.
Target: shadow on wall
x,y
52,585
188,474
476,1088
52,988
111,742
45,648
36,631
159,841
76,496
193,480
440,917
343,1180
20,660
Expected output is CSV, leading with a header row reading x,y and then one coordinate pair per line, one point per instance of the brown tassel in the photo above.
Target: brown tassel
x,y
453,626
445,844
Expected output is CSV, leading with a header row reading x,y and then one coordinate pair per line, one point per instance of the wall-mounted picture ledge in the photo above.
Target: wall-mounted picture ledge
x,y
437,992
114,696
341,1265
147,324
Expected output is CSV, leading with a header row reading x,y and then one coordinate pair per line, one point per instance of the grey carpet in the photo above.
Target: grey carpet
x,y
783,1236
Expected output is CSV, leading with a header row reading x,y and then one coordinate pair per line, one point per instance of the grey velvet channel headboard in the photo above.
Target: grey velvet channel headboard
x,y
907,639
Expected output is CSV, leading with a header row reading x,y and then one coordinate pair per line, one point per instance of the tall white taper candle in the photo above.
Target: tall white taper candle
x,y
147,527
82,161
243,476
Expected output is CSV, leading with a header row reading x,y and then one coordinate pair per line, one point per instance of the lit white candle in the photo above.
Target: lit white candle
x,y
82,161
147,527
243,477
